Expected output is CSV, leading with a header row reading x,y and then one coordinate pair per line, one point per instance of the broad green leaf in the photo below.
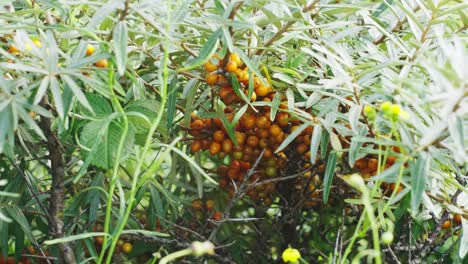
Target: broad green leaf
x,y
100,105
120,43
107,137
329,174
419,170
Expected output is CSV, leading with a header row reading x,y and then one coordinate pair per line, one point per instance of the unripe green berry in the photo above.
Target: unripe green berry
x,y
387,237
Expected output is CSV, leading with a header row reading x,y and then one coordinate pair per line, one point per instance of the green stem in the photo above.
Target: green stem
x,y
176,255
373,224
141,159
113,181
353,239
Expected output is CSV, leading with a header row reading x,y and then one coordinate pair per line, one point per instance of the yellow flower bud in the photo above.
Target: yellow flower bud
x,y
37,43
395,109
385,107
291,255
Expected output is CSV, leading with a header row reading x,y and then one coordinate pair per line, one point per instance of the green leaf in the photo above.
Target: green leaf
x,y
329,173
291,137
57,94
120,43
171,103
103,138
74,238
419,171
206,52
101,107
149,109
17,215
77,91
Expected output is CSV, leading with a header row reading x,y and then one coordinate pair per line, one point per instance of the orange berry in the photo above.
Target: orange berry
x,y
240,138
391,160
447,224
301,148
99,240
89,50
127,247
248,121
360,164
217,216
197,125
233,174
262,122
101,63
227,145
12,49
262,90
209,204
235,165
245,165
197,205
457,218
372,164
215,147
231,66
209,66
212,78
275,130
235,58
252,141
218,136
196,146
282,119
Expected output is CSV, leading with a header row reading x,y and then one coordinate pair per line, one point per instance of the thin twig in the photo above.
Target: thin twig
x,y
285,28
240,192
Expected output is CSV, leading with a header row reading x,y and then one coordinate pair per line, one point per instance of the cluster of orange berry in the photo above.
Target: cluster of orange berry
x,y
253,133
457,218
206,209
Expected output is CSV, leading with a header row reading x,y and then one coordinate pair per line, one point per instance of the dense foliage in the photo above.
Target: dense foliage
x,y
319,131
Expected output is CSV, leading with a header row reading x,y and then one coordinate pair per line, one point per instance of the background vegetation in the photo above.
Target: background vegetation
x,y
131,129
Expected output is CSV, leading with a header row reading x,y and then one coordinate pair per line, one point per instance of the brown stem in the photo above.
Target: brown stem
x,y
57,192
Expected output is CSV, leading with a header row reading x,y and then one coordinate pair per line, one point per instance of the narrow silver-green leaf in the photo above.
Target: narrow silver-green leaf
x,y
120,43
329,173
419,171
77,92
74,238
291,137
315,143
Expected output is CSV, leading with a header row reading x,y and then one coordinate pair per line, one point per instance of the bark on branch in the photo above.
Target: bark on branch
x,y
57,192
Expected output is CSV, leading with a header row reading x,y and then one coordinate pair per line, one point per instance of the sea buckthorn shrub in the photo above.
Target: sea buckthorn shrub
x,y
233,131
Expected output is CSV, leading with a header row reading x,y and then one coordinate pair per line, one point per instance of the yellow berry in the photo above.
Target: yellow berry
x,y
89,50
212,78
209,66
231,66
101,63
127,247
